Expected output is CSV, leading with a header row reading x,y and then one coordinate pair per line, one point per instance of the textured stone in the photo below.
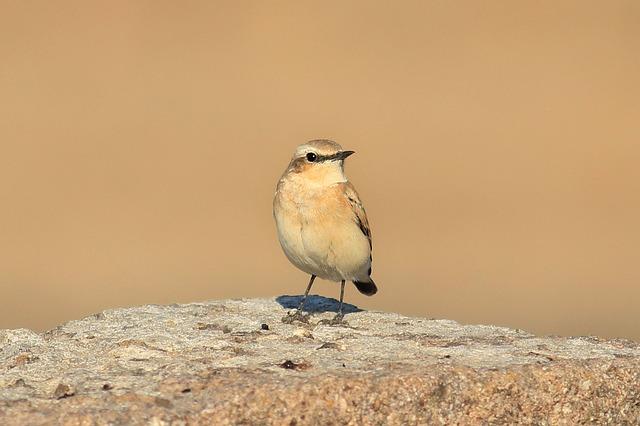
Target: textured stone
x,y
236,362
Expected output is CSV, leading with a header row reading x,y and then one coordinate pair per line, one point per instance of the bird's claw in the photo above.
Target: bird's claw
x,y
297,315
338,320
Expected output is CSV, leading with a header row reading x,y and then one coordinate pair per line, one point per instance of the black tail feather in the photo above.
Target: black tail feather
x,y
369,288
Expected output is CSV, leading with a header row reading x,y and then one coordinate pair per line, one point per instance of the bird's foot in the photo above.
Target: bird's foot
x,y
294,316
338,320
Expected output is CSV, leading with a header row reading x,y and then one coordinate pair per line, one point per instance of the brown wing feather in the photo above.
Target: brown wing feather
x,y
360,216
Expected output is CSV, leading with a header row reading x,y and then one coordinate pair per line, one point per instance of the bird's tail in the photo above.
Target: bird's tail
x,y
366,287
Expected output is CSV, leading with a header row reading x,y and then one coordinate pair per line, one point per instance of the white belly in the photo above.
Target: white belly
x,y
330,249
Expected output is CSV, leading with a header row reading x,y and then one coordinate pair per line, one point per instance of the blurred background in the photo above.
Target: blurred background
x,y
498,150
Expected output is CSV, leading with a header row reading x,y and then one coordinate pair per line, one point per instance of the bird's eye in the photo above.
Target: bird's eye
x,y
311,157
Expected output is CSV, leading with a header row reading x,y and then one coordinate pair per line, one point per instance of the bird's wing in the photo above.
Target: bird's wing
x,y
360,216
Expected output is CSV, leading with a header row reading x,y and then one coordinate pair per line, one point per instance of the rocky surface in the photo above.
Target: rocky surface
x,y
236,362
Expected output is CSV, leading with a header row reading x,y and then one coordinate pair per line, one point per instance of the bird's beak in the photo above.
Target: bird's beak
x,y
344,154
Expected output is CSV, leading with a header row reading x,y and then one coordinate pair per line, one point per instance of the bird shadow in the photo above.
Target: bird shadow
x,y
315,303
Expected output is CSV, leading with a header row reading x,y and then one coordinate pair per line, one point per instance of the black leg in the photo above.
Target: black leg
x,y
341,297
338,319
306,293
291,317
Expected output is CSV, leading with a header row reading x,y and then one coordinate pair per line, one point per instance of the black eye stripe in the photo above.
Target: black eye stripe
x,y
312,157
326,157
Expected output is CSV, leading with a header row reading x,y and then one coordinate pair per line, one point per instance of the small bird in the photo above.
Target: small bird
x,y
322,226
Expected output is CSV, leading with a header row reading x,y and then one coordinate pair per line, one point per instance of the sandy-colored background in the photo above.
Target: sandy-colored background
x,y
498,153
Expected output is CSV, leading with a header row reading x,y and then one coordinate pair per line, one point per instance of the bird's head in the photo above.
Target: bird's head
x,y
319,161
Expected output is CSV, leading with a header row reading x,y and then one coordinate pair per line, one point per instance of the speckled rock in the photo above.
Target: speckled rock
x,y
236,362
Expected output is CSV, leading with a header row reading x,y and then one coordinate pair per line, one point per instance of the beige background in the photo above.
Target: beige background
x,y
497,143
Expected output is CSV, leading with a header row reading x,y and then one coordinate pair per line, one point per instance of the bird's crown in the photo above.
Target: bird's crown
x,y
322,147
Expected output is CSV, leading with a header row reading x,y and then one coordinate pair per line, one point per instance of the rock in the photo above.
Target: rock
x,y
217,363
63,391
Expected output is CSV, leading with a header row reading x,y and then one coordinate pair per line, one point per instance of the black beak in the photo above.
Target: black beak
x,y
343,154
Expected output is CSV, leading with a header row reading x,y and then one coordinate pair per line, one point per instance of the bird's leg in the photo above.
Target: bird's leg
x,y
339,316
298,315
306,293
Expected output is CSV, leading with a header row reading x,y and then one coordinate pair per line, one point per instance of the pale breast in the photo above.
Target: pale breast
x,y
319,233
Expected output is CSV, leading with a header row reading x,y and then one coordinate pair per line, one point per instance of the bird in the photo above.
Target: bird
x,y
321,223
